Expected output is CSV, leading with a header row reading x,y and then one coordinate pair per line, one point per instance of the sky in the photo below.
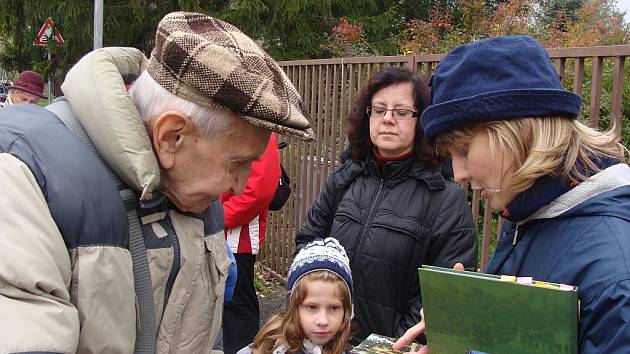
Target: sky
x,y
624,5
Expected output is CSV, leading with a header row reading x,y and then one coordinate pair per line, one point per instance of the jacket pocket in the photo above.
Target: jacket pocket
x,y
218,263
218,267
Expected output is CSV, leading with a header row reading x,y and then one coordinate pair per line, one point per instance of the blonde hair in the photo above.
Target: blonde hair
x,y
285,328
538,146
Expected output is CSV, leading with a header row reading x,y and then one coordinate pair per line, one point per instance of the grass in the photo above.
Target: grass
x,y
264,282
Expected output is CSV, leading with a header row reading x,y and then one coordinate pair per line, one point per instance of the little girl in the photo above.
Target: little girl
x,y
319,305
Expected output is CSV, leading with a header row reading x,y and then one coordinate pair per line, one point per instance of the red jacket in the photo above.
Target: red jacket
x,y
246,214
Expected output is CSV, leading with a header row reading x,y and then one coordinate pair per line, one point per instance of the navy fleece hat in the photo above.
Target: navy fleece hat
x,y
495,79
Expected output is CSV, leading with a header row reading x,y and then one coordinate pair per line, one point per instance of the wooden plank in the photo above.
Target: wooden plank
x,y
617,90
320,134
335,117
596,92
359,77
352,89
486,234
293,163
475,207
584,52
356,60
578,81
325,152
343,106
428,70
561,68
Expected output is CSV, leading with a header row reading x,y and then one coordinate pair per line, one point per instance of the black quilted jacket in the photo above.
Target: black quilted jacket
x,y
390,223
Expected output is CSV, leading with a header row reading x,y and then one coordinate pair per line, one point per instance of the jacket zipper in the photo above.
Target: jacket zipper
x,y
515,235
174,269
368,221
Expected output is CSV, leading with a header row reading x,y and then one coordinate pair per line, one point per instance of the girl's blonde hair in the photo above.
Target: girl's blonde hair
x,y
284,328
540,146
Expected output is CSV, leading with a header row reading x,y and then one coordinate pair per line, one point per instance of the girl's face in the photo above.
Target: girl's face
x,y
321,313
393,137
474,162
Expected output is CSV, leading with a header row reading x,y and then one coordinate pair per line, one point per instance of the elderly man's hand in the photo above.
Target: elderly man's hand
x,y
418,329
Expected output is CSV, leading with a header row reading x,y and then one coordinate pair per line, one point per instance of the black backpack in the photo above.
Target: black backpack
x,y
283,191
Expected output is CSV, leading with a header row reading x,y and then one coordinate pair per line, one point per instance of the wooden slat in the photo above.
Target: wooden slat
x,y
335,116
428,70
293,215
352,89
325,151
360,68
596,92
617,89
578,81
343,109
486,234
584,52
561,68
475,207
320,134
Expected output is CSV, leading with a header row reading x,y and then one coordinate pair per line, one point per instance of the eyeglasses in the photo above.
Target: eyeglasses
x,y
398,113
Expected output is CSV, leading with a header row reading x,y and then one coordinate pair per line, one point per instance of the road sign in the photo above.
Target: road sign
x,y
48,33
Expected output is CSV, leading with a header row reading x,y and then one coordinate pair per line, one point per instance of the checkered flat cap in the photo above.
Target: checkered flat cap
x,y
212,63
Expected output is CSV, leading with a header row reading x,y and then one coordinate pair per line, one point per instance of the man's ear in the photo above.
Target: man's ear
x,y
170,130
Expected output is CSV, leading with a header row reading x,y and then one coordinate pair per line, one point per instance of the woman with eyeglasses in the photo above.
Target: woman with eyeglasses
x,y
390,207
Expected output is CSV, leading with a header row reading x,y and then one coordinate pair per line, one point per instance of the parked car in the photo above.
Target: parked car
x,y
4,89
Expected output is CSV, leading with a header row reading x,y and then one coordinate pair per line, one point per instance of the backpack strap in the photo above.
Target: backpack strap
x,y
145,325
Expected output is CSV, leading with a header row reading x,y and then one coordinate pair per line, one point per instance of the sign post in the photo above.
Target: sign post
x,y
46,34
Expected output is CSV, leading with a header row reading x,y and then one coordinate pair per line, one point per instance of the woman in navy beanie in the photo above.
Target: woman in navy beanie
x,y
498,109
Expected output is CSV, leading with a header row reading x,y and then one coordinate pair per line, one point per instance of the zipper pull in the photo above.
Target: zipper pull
x,y
515,236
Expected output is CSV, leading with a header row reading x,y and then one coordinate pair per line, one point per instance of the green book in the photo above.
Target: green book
x,y
476,313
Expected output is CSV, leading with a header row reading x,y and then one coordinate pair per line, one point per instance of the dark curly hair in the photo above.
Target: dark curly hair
x,y
358,122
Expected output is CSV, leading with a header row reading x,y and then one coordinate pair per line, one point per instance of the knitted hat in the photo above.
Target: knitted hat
x,y
31,82
212,63
495,79
317,255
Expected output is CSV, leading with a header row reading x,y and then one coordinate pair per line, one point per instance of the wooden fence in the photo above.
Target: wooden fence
x,y
329,85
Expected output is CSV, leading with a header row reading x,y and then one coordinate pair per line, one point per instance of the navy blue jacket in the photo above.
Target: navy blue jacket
x,y
582,238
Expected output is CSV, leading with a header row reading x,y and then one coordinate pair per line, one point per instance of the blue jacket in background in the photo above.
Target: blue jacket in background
x,y
582,238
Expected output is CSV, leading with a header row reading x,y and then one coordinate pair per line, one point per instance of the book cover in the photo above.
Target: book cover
x,y
467,312
377,344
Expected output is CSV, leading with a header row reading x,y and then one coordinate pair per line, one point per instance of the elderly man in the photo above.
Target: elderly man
x,y
187,131
28,88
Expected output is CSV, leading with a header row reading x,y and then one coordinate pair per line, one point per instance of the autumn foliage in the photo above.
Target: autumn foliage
x,y
596,22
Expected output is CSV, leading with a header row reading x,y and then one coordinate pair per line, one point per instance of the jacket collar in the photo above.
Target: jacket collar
x,y
394,171
606,180
545,190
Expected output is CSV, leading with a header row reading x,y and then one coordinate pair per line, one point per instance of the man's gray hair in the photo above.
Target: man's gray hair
x,y
151,100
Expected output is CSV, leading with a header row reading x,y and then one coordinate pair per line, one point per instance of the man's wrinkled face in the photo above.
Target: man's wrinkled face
x,y
202,168
18,96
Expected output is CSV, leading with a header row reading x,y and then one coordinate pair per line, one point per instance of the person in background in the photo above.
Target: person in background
x,y
499,110
27,88
187,131
390,207
245,218
318,302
